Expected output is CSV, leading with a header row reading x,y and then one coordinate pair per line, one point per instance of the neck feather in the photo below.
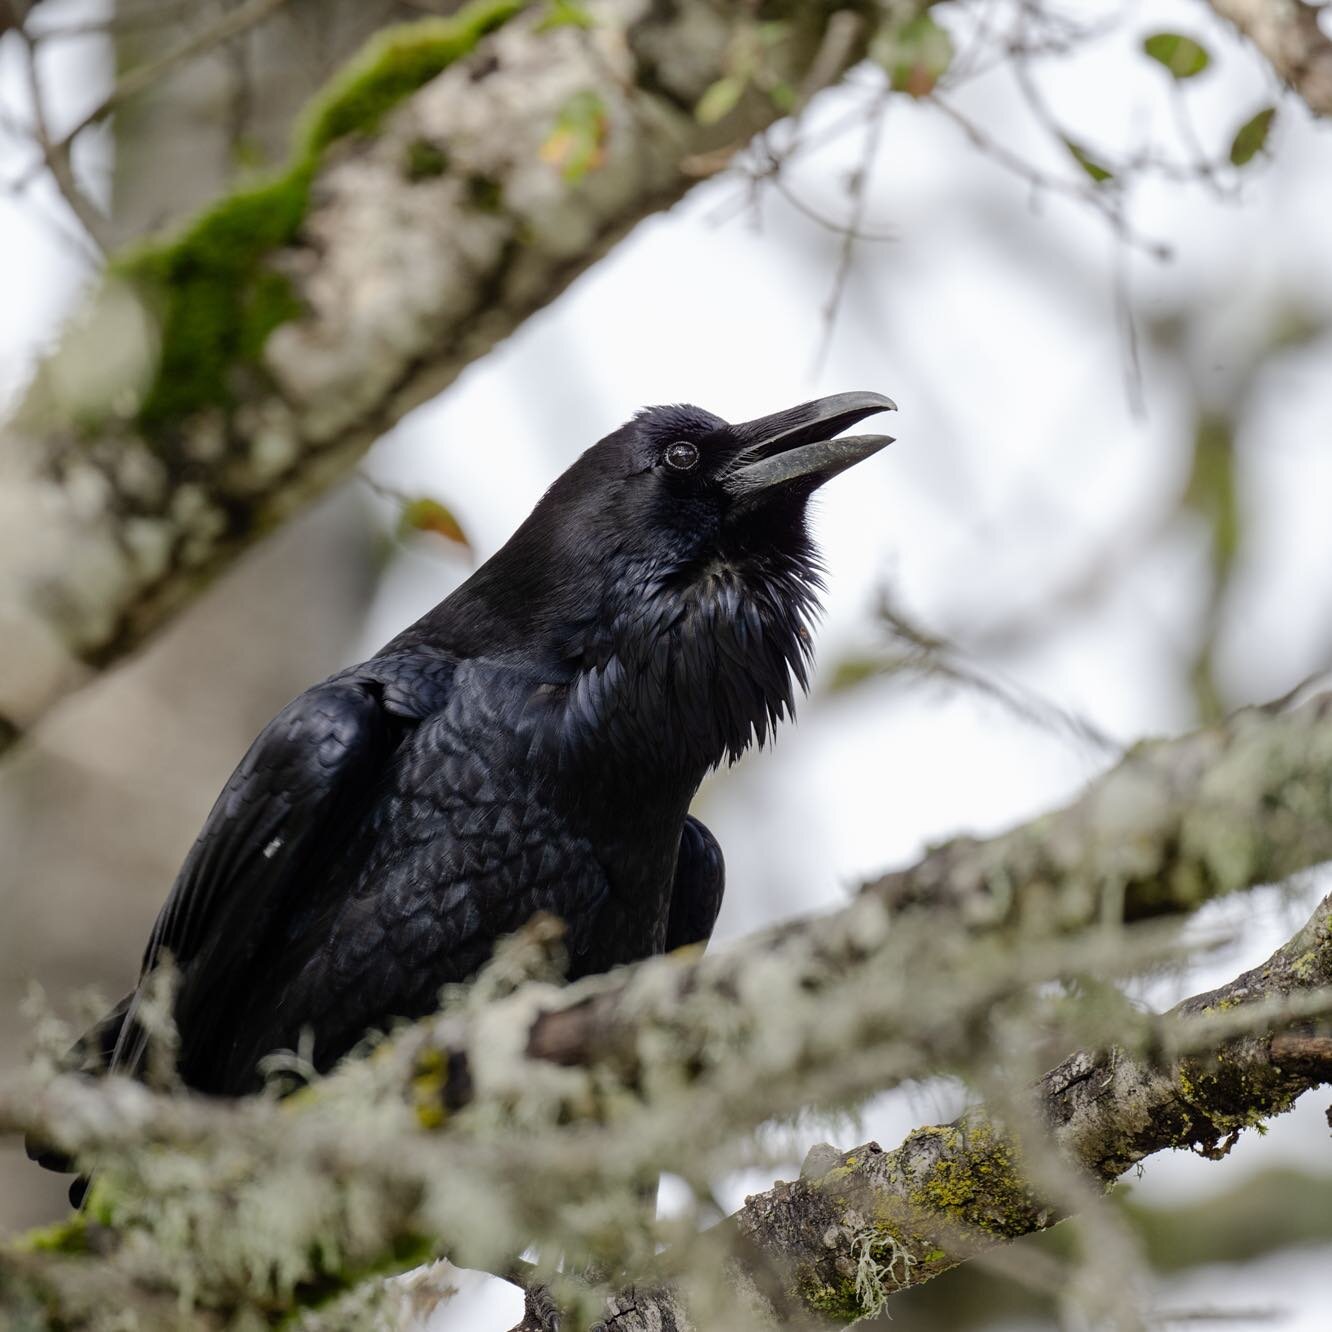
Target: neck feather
x,y
696,665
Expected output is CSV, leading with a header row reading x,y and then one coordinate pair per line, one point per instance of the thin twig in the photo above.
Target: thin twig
x,y
859,190
142,77
56,156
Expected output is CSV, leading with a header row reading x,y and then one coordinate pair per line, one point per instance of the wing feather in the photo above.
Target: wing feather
x,y
277,820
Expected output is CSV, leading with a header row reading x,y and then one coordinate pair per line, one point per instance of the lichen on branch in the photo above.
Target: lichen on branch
x,y
528,1113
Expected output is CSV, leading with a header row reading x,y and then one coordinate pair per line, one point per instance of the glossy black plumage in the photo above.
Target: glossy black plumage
x,y
531,744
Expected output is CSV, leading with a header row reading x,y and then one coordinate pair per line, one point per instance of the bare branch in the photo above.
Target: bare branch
x,y
55,155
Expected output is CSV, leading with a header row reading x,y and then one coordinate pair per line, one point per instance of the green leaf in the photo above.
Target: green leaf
x,y
1088,163
429,515
1182,56
1251,137
566,14
783,95
577,144
915,54
719,100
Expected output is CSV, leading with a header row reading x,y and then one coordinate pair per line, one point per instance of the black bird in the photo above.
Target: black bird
x,y
531,744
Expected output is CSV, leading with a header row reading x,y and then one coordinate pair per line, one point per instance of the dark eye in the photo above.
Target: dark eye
x,y
681,455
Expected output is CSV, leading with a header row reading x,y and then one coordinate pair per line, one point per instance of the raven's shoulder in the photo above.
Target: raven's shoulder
x,y
411,683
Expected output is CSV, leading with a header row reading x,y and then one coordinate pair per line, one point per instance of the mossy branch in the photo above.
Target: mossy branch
x,y
528,1113
439,191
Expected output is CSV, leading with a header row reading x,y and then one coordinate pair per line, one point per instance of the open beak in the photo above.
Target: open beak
x,y
798,444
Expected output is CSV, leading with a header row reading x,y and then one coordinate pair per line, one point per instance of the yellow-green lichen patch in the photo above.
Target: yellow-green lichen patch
x,y
1225,1096
834,1176
212,288
428,1082
970,1177
1305,968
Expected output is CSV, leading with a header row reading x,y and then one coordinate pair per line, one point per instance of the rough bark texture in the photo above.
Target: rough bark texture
x,y
531,1110
223,377
876,1222
1287,32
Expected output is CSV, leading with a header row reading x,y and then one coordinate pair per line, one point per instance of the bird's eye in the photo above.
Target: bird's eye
x,y
681,455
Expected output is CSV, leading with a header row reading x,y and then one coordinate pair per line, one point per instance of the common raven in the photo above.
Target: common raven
x,y
531,744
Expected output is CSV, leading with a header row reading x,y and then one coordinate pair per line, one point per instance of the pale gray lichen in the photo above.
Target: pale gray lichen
x,y
878,1255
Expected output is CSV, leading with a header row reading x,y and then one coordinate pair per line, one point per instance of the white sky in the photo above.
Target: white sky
x,y
993,326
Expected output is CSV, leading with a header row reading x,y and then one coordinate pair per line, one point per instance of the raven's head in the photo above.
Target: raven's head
x,y
667,578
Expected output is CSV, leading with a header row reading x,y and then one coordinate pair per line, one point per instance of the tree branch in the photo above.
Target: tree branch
x,y
528,1113
1288,34
947,1194
1174,824
455,178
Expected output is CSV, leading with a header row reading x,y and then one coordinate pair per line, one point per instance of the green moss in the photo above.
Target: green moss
x,y
68,1236
335,1280
215,301
393,65
838,1302
215,296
